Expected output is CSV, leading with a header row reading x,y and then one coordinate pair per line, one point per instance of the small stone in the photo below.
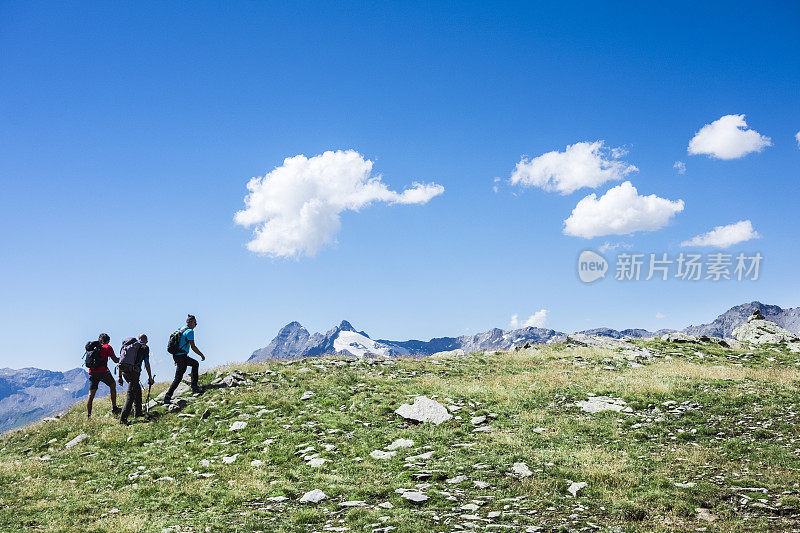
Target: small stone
x,y
705,514
380,454
493,514
256,462
204,463
457,479
400,443
353,503
316,461
230,459
313,496
539,430
421,457
480,484
521,470
424,410
575,487
386,505
277,499
76,440
239,424
478,420
307,395
415,496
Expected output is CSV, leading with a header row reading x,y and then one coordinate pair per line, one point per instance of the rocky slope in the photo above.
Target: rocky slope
x,y
31,394
670,437
724,324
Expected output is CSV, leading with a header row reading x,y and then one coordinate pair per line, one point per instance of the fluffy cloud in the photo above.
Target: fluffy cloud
x,y
296,206
609,247
582,164
724,236
680,166
536,320
620,211
660,316
797,136
727,138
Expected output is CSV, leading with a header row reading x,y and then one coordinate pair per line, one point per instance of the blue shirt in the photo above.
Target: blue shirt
x,y
186,337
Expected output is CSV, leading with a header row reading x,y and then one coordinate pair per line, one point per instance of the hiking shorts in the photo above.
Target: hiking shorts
x,y
95,378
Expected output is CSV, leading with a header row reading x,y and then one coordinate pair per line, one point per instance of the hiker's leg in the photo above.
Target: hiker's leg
x,y
93,383
195,364
137,399
126,411
180,369
113,387
89,402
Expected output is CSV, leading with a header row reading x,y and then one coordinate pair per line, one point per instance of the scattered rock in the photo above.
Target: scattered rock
x,y
478,420
521,470
239,424
679,338
307,395
575,487
705,514
353,503
415,496
230,459
256,463
313,496
316,462
424,410
400,443
596,404
76,440
380,454
759,331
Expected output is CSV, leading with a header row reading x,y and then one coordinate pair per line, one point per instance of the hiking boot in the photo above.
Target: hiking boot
x,y
124,422
167,400
116,410
196,390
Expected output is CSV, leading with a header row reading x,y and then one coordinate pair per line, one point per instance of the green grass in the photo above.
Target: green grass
x,y
738,433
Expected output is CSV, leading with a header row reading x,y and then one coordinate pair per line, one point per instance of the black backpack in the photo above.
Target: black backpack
x,y
93,356
174,344
132,353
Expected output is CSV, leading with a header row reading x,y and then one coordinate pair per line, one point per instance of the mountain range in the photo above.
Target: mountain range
x,y
294,341
30,394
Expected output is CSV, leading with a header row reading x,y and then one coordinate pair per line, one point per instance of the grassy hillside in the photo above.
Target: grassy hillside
x,y
707,428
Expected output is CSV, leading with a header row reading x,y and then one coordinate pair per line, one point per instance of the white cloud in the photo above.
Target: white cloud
x,y
727,138
536,320
296,206
797,136
620,211
496,187
659,316
582,164
680,166
724,236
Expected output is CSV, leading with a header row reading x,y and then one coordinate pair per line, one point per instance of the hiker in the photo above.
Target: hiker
x,y
98,371
179,344
131,356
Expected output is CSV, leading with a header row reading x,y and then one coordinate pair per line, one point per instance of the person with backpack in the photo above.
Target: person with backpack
x,y
179,344
97,355
134,352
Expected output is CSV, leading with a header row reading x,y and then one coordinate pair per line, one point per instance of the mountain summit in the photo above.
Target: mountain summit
x,y
294,341
724,324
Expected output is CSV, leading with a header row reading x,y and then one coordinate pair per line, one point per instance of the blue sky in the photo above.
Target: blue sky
x,y
128,134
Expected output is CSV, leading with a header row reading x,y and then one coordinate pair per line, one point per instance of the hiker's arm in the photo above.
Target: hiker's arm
x,y
113,357
197,351
149,374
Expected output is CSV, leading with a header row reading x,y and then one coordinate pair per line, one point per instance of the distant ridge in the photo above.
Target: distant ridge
x,y
724,324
